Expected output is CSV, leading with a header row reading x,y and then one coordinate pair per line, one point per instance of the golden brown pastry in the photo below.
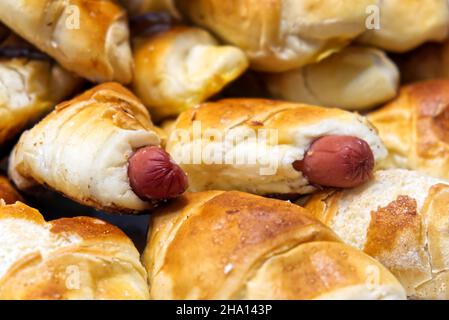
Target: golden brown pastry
x,y
414,128
8,194
90,38
405,24
355,78
401,219
99,149
273,147
68,258
181,67
233,245
30,85
279,35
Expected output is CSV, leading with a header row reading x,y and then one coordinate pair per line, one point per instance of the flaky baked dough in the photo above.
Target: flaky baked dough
x,y
256,141
68,258
233,245
414,128
81,149
400,218
88,37
181,67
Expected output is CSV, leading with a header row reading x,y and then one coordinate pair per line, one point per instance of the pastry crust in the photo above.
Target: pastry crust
x,y
356,78
8,194
64,29
233,245
250,144
414,128
400,218
82,148
181,67
68,258
280,35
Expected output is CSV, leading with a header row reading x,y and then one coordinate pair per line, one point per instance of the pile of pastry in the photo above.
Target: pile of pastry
x,y
281,149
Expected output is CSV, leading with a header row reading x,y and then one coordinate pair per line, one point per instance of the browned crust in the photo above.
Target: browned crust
x,y
7,192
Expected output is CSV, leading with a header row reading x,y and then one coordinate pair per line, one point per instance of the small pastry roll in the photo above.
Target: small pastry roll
x,y
68,258
404,25
414,128
280,35
30,85
400,218
90,38
272,147
181,67
355,78
99,149
234,245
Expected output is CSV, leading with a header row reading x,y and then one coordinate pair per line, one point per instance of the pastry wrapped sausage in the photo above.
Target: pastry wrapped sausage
x,y
88,37
99,149
181,67
414,128
233,245
30,84
355,78
272,147
404,25
68,258
281,35
400,218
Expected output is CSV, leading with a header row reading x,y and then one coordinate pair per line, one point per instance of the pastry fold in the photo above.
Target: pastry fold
x,y
281,35
233,245
399,218
68,258
414,128
355,78
88,37
82,148
250,144
181,67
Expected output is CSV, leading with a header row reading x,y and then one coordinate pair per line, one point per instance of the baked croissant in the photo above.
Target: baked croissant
x,y
181,67
233,245
68,258
90,38
355,78
404,25
279,35
270,147
400,218
30,85
99,149
414,128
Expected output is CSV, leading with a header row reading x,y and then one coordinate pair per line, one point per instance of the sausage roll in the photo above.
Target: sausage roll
x,y
68,258
88,37
30,85
181,67
401,219
279,35
361,78
415,128
404,25
99,149
233,245
272,147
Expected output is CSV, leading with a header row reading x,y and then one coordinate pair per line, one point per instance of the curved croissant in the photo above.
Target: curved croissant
x,y
283,34
404,25
84,150
361,78
181,67
90,38
414,128
257,146
233,245
399,218
68,258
